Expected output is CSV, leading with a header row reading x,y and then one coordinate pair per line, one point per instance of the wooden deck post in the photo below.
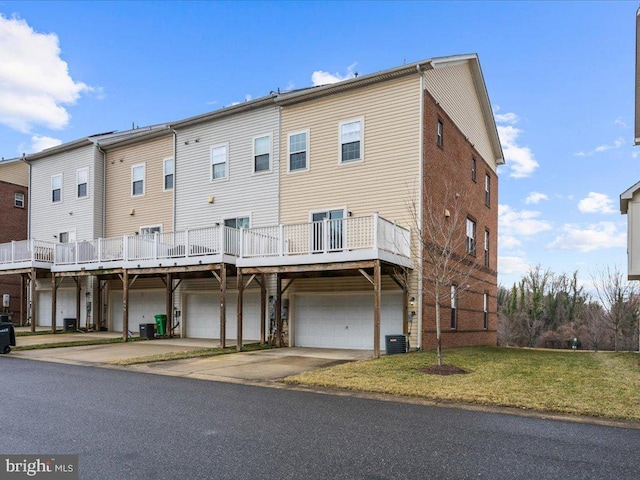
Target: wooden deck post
x,y
54,302
278,310
240,295
223,305
34,308
78,281
263,307
22,297
125,305
169,303
376,308
405,311
97,306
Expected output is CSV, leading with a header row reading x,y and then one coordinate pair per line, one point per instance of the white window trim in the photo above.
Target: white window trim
x,y
322,210
78,182
253,155
164,174
227,163
298,170
144,180
361,159
71,233
15,199
233,217
61,188
150,226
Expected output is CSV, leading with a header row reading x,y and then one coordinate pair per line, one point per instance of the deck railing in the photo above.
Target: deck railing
x,y
26,251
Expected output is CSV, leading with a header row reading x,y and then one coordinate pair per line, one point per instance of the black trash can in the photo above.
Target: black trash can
x,y
7,337
396,344
4,317
70,324
148,331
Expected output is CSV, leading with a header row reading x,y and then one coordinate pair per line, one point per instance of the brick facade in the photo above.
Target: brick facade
x,y
13,226
449,167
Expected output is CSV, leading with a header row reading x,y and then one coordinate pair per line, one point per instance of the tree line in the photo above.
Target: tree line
x,y
550,310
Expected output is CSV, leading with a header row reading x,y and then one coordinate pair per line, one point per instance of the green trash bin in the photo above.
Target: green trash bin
x,y
161,324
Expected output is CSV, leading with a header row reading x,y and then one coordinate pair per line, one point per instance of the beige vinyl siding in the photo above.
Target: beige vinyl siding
x,y
155,207
71,214
242,193
454,90
15,172
97,194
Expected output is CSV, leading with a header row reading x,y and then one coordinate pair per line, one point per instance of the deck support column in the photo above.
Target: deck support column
x,y
278,310
22,297
97,306
376,308
240,295
223,305
34,308
168,303
78,282
263,307
125,305
54,303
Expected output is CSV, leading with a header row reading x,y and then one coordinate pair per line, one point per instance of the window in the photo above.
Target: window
x,y
82,182
56,188
67,237
169,169
137,180
298,151
335,230
261,154
454,307
485,309
471,236
350,138
473,168
440,139
487,190
151,230
240,222
18,200
486,248
218,162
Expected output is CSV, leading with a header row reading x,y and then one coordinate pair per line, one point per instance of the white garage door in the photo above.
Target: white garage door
x,y
144,305
344,321
65,306
201,315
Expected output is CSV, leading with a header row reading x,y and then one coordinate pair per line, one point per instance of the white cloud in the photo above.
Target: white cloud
x,y
596,203
513,265
519,159
593,237
535,198
320,77
508,242
620,122
617,143
523,223
510,118
34,81
41,142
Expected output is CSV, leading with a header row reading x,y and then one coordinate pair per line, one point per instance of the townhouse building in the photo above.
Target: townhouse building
x,y
296,216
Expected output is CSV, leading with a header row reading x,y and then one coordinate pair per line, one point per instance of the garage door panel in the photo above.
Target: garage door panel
x,y
344,321
143,307
65,307
203,316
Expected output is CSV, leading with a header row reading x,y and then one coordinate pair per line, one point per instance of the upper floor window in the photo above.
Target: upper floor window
x,y
298,151
56,188
169,170
486,248
440,138
219,162
82,182
471,236
350,141
473,168
487,190
151,230
18,200
454,306
67,237
240,222
262,154
137,180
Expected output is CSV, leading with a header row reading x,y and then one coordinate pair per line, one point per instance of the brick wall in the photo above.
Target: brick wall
x,y
13,226
447,171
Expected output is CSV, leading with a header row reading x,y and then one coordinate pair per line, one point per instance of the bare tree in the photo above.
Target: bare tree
x,y
447,251
619,299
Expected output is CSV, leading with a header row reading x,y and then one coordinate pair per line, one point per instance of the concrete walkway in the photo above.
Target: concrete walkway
x,y
263,366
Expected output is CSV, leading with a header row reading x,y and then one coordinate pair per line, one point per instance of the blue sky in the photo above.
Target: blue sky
x,y
559,75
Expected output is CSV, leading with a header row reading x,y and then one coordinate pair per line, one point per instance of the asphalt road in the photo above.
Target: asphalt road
x,y
126,425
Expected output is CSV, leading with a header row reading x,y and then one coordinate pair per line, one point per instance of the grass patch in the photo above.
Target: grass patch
x,y
38,332
74,343
184,354
602,384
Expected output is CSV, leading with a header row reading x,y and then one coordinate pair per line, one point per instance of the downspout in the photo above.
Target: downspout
x,y
175,176
24,159
420,206
104,189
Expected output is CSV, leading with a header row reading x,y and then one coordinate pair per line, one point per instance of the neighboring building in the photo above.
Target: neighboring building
x,y
14,208
306,202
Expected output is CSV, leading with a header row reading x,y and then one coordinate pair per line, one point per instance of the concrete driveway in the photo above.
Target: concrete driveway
x,y
264,366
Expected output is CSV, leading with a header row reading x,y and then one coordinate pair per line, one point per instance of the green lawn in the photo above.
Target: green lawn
x,y
600,384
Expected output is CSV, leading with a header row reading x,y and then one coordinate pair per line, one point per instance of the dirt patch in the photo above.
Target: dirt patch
x,y
443,370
